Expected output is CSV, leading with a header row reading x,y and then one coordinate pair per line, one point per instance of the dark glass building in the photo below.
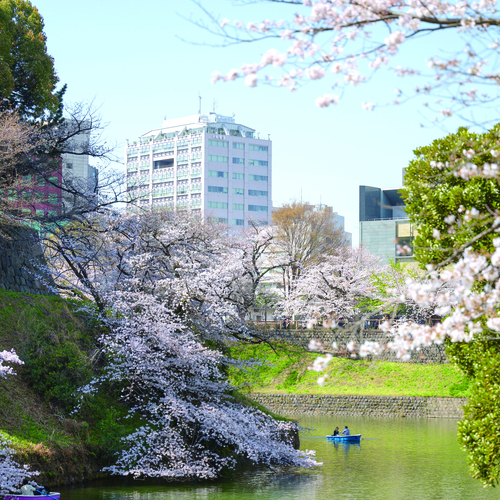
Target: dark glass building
x,y
384,228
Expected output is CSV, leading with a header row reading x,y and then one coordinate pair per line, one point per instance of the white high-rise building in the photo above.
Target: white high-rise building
x,y
206,163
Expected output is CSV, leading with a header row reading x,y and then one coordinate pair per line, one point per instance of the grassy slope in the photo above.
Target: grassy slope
x,y
288,373
57,345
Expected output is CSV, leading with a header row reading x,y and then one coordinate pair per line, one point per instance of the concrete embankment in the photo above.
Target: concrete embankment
x,y
373,406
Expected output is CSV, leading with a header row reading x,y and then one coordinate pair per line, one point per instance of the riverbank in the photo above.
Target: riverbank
x,y
284,370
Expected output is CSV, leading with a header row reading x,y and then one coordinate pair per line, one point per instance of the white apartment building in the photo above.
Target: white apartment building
x,y
206,163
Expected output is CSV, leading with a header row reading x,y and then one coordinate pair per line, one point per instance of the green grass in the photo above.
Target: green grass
x,y
285,371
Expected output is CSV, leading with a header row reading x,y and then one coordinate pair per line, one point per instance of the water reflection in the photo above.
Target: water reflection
x,y
398,459
344,446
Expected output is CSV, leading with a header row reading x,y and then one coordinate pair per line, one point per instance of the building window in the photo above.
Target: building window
x,y
255,192
238,206
239,161
238,222
257,163
217,189
238,191
217,173
238,145
219,144
220,159
218,220
238,176
257,208
256,147
259,178
162,164
405,233
217,204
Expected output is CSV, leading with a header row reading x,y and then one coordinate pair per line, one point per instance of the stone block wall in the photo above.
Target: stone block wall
x,y
373,406
342,336
21,261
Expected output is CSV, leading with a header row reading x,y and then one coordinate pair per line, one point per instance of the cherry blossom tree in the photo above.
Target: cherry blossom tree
x,y
193,427
333,287
344,43
194,266
167,286
391,294
458,176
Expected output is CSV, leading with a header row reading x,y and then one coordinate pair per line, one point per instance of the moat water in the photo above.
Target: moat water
x,y
398,459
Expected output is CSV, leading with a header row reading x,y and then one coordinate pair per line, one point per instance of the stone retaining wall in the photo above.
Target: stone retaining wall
x,y
373,406
21,258
342,336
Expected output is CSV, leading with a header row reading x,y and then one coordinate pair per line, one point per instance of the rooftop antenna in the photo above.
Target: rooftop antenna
x,y
300,195
215,102
199,108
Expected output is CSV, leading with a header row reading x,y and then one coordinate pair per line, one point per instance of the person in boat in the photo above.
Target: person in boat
x,y
336,431
346,431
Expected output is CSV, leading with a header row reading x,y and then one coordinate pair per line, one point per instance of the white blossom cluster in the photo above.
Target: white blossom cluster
x,y
330,288
12,475
8,357
333,288
467,309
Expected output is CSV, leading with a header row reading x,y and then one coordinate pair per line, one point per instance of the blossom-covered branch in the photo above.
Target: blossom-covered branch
x,y
344,43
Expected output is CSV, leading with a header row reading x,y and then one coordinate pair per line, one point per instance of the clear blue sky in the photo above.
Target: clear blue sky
x,y
128,57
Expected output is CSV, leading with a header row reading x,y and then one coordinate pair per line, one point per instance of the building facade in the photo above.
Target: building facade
x,y
206,163
42,194
76,167
384,228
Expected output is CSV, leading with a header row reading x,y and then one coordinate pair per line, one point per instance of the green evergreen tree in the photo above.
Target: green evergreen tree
x,y
27,76
435,199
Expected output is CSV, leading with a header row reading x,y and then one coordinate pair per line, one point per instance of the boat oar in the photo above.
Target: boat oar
x,y
45,494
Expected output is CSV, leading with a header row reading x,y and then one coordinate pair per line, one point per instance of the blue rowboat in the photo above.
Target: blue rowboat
x,y
17,496
353,438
